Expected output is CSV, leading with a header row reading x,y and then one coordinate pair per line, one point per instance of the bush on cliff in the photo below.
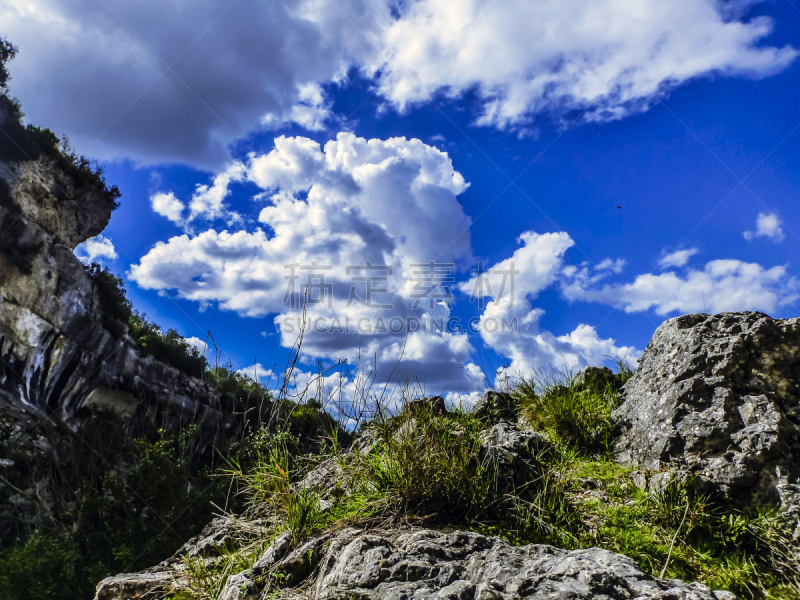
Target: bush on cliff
x,y
28,142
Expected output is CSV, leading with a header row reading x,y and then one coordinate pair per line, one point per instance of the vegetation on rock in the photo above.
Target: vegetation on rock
x,y
438,470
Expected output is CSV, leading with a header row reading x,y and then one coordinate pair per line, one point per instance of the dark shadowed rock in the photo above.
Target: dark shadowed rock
x,y
599,377
434,403
719,397
494,407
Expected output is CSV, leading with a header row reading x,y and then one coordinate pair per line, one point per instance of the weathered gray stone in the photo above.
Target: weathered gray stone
x,y
127,586
494,407
239,587
718,397
426,563
512,453
597,376
61,370
396,564
274,552
434,403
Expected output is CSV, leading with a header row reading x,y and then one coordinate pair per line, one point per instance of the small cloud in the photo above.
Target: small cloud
x,y
167,205
197,343
679,258
95,250
255,372
768,225
438,137
310,112
615,266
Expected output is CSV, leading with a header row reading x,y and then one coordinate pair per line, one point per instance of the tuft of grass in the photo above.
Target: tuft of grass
x,y
426,463
575,412
271,493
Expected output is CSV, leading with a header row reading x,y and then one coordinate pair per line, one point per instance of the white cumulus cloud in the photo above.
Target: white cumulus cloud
x,y
168,206
389,203
529,348
722,285
178,82
96,249
256,372
679,258
610,58
768,225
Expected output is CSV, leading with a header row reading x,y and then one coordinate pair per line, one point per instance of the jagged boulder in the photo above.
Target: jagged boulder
x,y
494,407
719,398
394,564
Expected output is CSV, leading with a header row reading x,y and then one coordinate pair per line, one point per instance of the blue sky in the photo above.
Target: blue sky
x,y
633,160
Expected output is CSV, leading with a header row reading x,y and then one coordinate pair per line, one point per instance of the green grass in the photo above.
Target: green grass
x,y
427,468
574,412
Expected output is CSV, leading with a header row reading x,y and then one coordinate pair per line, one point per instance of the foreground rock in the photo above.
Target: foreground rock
x,y
719,397
424,563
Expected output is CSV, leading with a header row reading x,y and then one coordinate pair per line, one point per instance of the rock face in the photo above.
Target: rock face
x,y
423,563
719,396
59,366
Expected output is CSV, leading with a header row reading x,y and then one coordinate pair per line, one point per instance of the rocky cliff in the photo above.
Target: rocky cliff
x,y
61,370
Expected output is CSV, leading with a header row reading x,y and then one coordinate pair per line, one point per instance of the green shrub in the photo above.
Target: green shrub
x,y
128,510
7,52
115,308
170,347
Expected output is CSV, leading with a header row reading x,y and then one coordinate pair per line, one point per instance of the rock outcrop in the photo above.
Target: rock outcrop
x,y
718,397
60,368
405,563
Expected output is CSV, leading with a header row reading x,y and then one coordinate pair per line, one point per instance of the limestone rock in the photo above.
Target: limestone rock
x,y
434,403
424,563
132,585
718,397
494,407
61,370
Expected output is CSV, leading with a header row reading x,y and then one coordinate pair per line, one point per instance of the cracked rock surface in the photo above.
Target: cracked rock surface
x,y
719,397
395,564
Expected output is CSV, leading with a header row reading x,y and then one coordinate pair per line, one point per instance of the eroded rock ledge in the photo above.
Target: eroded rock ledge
x,y
407,563
60,369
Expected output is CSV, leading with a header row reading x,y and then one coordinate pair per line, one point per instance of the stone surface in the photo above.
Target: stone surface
x,y
127,586
597,376
61,371
401,564
434,403
423,563
511,453
494,407
718,397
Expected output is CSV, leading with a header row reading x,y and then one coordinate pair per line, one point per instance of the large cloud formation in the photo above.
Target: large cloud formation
x,y
608,58
352,202
387,203
160,82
